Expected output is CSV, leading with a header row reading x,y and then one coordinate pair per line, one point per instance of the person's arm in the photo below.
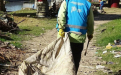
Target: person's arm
x,y
62,15
90,23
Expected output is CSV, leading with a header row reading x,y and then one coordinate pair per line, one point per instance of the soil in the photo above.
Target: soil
x,y
88,62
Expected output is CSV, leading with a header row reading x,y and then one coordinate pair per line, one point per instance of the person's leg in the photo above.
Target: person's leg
x,y
101,7
103,10
76,51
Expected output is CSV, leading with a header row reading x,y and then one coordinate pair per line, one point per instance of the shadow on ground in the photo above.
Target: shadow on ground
x,y
106,17
5,37
25,14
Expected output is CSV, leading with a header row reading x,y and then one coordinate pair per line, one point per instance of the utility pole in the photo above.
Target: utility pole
x,y
35,3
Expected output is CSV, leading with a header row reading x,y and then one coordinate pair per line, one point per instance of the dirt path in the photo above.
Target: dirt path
x,y
39,43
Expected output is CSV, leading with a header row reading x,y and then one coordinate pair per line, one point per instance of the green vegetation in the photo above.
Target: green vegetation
x,y
30,27
115,66
110,32
26,10
107,34
101,73
16,44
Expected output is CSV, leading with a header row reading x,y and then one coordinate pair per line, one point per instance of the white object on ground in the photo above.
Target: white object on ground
x,y
112,52
117,56
100,67
104,52
87,67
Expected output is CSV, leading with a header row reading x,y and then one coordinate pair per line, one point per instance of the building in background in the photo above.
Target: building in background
x,y
15,5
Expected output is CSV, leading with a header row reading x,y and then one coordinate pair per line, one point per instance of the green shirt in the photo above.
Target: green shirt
x,y
74,37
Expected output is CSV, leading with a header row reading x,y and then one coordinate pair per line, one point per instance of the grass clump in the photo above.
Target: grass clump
x,y
16,44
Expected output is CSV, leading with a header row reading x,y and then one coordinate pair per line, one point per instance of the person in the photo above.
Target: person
x,y
76,17
33,6
101,6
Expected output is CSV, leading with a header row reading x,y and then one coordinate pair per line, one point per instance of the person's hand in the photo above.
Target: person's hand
x,y
90,37
61,32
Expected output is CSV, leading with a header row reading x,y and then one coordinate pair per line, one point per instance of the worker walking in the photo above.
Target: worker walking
x,y
76,17
33,6
101,6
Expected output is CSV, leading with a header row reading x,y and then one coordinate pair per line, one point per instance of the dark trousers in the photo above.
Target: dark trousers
x,y
76,51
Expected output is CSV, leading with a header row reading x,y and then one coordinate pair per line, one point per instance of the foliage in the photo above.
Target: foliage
x,y
110,32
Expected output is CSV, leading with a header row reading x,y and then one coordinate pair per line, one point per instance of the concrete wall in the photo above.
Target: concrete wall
x,y
28,5
50,2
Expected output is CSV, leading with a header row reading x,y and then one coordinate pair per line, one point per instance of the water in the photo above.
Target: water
x,y
15,6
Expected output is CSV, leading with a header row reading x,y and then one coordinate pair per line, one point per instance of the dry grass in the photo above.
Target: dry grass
x,y
113,10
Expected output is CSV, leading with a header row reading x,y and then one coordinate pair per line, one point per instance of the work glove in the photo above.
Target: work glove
x,y
61,32
90,37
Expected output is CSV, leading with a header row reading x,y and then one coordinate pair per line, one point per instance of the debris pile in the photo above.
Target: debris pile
x,y
10,56
9,53
7,24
